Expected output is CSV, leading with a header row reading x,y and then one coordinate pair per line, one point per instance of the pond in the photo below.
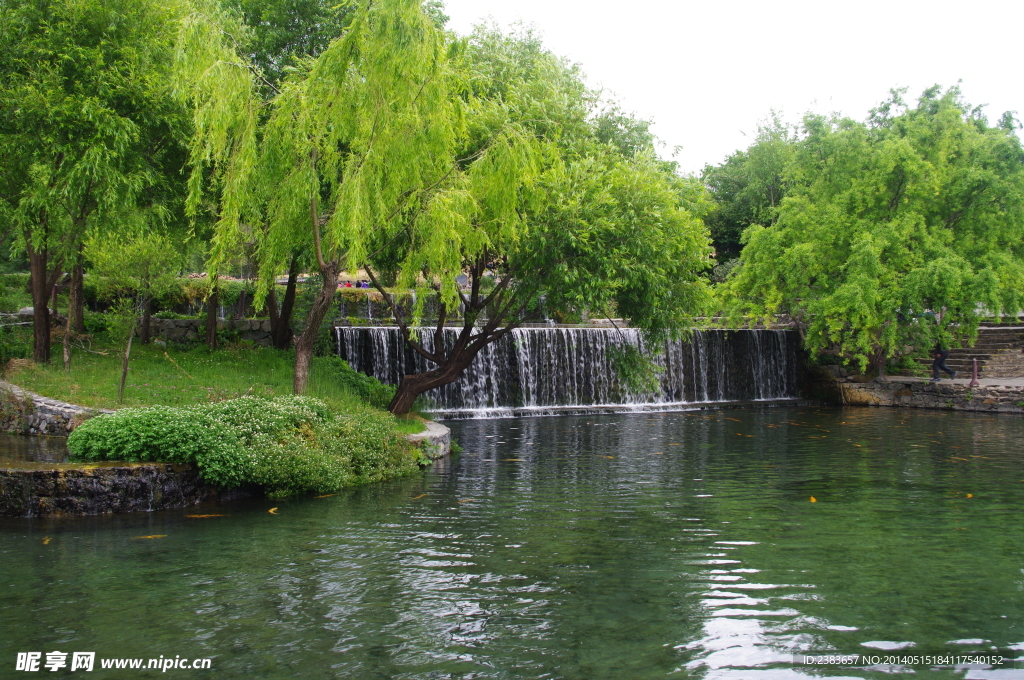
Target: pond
x,y
701,544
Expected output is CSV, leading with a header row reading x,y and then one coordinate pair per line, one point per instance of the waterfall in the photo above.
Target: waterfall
x,y
548,369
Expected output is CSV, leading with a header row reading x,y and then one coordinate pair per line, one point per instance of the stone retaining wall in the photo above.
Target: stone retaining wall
x,y
916,393
98,489
194,330
24,412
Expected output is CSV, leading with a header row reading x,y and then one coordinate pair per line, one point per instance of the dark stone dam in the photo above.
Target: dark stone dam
x,y
558,369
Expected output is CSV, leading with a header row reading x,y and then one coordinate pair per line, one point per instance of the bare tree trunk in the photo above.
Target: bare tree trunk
x,y
281,329
124,361
69,326
147,315
40,309
317,313
211,318
272,309
76,309
240,312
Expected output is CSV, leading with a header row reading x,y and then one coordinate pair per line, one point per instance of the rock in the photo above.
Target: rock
x,y
265,326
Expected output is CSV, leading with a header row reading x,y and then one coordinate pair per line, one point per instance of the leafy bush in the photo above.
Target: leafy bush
x,y
157,433
286,445
372,391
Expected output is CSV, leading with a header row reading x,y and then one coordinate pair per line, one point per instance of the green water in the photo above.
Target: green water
x,y
677,545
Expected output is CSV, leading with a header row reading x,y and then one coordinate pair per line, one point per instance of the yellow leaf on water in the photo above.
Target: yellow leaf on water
x,y
609,456
326,495
418,497
970,495
203,516
658,453
46,541
467,500
153,536
272,511
813,499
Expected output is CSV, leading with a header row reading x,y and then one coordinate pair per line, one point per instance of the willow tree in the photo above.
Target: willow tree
x,y
541,209
349,144
914,216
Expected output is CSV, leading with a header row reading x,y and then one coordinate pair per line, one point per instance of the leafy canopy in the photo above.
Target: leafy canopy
x,y
917,214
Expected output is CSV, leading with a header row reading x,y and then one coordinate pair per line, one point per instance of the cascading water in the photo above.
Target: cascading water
x,y
554,369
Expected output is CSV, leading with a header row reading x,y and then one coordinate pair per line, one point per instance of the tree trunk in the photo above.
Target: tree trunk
x,y
272,309
69,328
76,309
124,362
282,328
147,315
413,386
40,309
211,319
304,344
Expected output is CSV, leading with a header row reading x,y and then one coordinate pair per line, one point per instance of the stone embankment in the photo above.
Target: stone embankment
x,y
194,330
75,489
23,412
37,489
999,395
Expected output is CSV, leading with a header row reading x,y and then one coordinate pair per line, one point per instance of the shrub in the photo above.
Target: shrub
x,y
368,388
286,445
158,433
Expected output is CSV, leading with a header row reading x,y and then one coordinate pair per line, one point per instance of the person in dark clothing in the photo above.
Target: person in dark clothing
x,y
939,353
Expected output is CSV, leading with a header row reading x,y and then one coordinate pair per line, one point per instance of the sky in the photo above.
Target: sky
x,y
707,73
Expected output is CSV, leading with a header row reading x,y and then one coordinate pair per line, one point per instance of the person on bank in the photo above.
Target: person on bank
x,y
939,353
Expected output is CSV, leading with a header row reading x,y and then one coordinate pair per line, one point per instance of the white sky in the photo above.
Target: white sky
x,y
708,72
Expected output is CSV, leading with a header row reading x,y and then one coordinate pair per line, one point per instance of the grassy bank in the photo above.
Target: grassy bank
x,y
175,377
231,414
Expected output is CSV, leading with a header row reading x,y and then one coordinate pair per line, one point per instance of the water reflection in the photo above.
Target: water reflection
x,y
16,450
681,545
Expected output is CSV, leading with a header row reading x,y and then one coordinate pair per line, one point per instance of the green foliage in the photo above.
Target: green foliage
x,y
13,295
637,371
91,124
157,433
914,216
15,341
283,32
371,390
748,187
285,445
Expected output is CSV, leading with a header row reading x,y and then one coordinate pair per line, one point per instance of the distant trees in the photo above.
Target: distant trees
x,y
87,129
748,187
919,210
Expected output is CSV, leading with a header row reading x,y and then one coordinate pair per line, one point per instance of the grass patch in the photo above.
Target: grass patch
x,y
183,377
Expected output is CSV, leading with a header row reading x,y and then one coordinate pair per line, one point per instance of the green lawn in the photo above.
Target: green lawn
x,y
176,377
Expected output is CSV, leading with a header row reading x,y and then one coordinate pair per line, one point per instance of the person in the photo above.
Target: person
x,y
939,353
